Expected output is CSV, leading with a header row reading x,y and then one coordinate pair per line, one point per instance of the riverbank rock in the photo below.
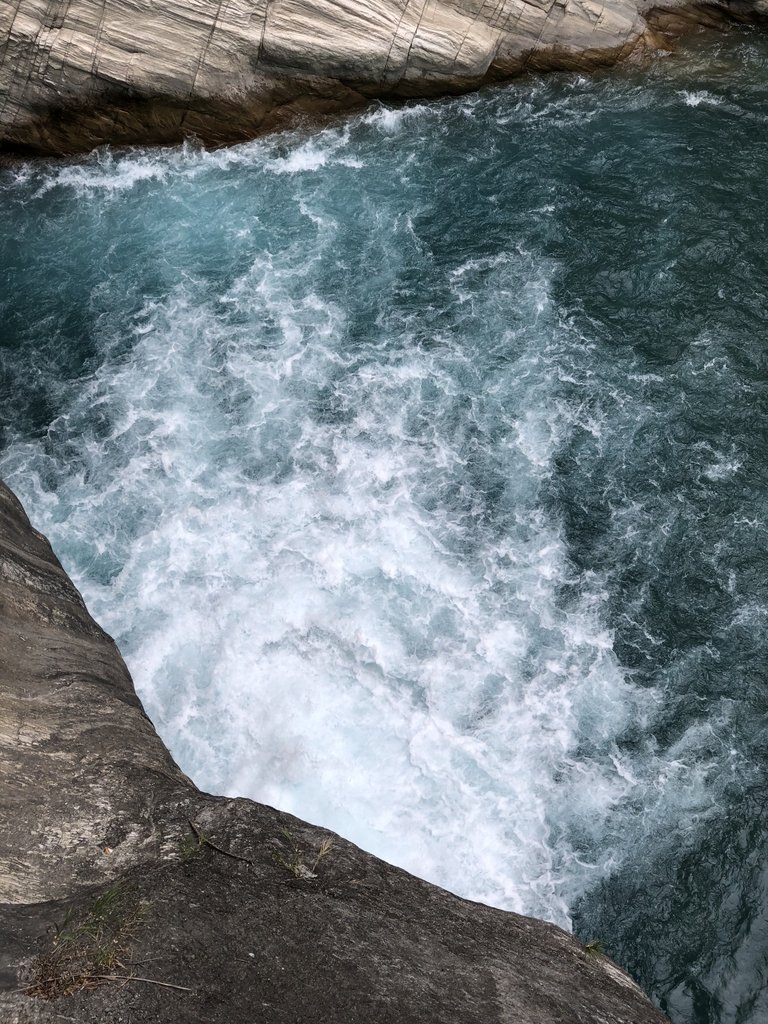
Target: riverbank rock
x,y
126,895
78,73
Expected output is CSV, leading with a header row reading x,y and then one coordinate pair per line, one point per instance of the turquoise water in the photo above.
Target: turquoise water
x,y
419,467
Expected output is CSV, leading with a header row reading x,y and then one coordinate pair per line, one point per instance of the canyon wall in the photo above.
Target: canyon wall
x,y
78,73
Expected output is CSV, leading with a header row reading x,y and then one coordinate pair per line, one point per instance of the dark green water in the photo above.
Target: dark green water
x,y
420,469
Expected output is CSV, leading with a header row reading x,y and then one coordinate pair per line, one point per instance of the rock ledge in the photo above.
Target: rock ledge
x,y
130,896
75,74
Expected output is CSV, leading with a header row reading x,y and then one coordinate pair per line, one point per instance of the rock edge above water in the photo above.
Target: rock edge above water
x,y
75,74
113,864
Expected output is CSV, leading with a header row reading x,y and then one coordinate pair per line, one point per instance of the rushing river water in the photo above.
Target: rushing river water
x,y
419,467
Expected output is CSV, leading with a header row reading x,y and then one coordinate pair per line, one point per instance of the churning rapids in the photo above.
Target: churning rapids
x,y
419,467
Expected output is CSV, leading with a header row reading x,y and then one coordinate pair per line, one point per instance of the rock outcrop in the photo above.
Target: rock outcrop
x,y
78,73
128,895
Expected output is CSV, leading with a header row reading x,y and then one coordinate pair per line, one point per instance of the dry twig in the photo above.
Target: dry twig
x,y
135,977
203,840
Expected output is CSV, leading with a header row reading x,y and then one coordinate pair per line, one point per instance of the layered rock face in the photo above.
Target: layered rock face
x,y
128,895
77,73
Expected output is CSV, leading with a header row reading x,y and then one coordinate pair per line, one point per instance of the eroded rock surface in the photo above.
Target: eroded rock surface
x,y
114,866
77,73
81,767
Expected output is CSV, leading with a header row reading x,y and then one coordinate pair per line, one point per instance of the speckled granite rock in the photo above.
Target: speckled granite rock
x,y
114,866
77,73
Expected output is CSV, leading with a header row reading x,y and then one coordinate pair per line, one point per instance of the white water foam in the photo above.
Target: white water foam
x,y
695,99
289,535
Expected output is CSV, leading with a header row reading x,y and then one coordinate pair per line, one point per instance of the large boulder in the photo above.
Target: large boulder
x,y
126,895
78,73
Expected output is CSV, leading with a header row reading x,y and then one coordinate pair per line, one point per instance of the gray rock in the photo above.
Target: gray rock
x,y
78,73
113,866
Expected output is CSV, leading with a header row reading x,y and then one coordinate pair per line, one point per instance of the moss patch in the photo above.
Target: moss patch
x,y
88,947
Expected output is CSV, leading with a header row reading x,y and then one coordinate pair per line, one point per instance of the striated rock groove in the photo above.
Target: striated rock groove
x,y
78,73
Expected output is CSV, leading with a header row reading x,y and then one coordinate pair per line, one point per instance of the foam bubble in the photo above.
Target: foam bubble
x,y
695,99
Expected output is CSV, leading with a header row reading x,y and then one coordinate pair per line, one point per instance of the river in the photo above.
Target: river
x,y
419,466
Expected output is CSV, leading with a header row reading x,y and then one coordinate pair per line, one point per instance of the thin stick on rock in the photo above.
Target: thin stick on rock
x,y
135,977
205,841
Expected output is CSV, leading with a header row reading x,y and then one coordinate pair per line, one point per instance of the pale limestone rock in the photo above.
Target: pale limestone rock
x,y
74,73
